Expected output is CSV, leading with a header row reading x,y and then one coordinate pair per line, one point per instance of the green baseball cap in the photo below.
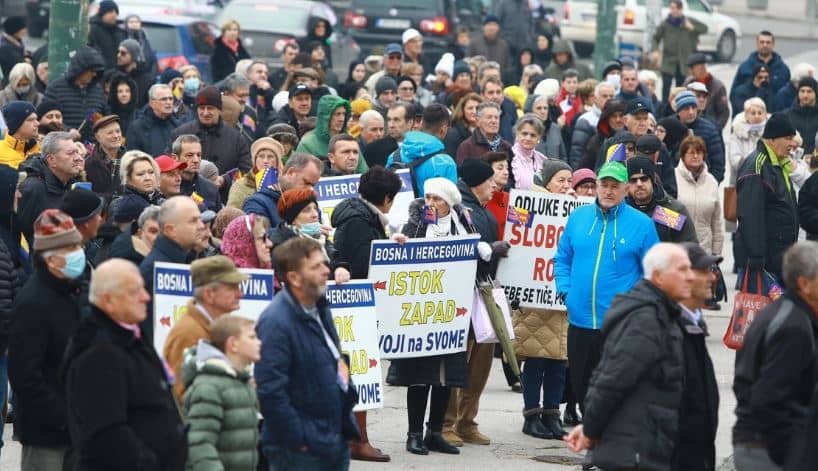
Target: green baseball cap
x,y
614,170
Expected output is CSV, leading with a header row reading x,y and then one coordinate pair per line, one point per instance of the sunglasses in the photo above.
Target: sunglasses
x,y
641,179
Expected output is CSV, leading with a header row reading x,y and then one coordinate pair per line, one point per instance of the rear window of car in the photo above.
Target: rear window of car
x,y
266,17
163,38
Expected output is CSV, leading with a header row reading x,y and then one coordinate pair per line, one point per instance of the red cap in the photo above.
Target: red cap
x,y
167,164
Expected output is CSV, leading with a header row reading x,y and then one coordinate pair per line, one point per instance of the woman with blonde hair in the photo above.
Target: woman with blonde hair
x,y
266,153
140,179
227,51
21,86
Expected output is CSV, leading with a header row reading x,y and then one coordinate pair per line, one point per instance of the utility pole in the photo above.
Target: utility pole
x,y
67,31
605,47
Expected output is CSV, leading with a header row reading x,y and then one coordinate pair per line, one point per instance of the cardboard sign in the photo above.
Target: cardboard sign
x,y
423,291
353,311
527,274
173,288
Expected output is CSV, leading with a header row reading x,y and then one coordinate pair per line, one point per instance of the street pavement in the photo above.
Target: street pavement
x,y
500,414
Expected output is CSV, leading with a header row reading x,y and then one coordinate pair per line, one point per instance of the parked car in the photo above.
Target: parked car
x,y
181,40
197,8
268,25
376,23
37,12
579,25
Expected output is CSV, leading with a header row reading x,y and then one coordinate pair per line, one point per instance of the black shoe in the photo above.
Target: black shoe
x,y
517,387
414,444
434,441
534,427
571,417
588,462
550,419
714,306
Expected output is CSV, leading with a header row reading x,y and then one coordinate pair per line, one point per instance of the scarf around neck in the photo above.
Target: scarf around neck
x,y
525,165
494,144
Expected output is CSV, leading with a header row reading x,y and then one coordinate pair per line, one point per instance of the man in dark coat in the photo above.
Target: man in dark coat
x,y
640,376
687,111
764,55
221,144
297,108
776,369
152,132
181,229
130,60
808,207
611,120
12,50
489,44
718,107
760,86
766,205
644,196
698,419
48,178
188,149
104,34
79,91
304,387
486,136
121,414
804,112
46,312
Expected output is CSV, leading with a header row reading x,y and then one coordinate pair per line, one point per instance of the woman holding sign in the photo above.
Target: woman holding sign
x,y
541,337
437,214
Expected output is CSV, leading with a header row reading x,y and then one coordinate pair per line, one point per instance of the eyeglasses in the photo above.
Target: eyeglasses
x,y
642,179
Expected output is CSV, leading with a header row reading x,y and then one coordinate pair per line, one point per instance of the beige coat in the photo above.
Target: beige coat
x,y
701,198
540,333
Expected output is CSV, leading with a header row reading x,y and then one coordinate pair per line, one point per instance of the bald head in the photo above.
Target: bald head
x,y
667,266
180,221
118,290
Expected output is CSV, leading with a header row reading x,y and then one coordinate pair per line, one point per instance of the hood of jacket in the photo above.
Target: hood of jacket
x,y
311,22
418,144
84,59
355,208
642,294
742,129
113,103
326,106
602,126
204,358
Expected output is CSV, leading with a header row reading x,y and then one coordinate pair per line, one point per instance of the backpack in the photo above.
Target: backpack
x,y
397,163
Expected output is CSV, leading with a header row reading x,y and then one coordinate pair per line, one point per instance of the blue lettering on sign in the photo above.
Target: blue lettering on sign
x,y
172,281
351,295
392,253
369,393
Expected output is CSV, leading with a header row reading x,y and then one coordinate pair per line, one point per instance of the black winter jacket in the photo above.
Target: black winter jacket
x,y
223,60
221,144
204,188
808,207
356,225
707,130
805,120
144,78
483,223
151,134
77,103
665,233
698,419
103,172
11,54
13,270
45,315
105,38
767,212
139,426
164,250
284,116
775,375
633,399
41,190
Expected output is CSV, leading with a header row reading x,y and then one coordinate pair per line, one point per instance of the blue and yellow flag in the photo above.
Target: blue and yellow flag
x,y
616,153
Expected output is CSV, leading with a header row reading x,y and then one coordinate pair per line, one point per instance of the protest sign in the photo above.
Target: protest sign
x,y
535,222
333,190
353,311
424,291
173,288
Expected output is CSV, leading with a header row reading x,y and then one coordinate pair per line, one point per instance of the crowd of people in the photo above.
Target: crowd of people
x,y
116,165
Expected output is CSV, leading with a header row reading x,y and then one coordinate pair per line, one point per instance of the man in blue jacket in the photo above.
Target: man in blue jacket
x,y
779,72
599,256
686,109
424,153
303,384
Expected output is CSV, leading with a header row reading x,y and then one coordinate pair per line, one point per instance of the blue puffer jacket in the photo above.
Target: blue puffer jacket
x,y
779,72
264,203
599,256
297,381
705,129
417,145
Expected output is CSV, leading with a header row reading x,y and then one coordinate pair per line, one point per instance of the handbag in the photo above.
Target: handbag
x,y
745,308
730,203
490,310
719,286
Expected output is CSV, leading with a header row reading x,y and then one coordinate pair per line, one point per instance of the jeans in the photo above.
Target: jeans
x,y
753,459
543,374
287,460
584,349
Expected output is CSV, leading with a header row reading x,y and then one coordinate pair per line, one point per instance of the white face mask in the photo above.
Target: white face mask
x,y
23,90
796,154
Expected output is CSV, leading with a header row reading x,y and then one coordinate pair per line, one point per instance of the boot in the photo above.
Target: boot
x,y
415,444
362,449
550,419
434,441
533,426
571,416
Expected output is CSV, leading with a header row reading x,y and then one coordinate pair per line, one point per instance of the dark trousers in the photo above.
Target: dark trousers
x,y
416,399
583,355
667,79
286,460
543,378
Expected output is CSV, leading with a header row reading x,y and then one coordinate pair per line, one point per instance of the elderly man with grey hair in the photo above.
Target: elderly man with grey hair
x,y
151,132
776,369
372,127
640,377
238,86
586,123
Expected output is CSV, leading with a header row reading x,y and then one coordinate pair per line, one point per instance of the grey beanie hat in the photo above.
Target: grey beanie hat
x,y
550,167
134,49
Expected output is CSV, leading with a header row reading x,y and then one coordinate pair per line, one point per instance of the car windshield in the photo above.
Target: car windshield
x,y
414,4
163,38
266,17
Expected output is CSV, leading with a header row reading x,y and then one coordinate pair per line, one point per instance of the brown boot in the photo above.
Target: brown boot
x,y
362,450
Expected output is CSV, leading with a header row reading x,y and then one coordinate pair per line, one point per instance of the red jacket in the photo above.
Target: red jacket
x,y
498,206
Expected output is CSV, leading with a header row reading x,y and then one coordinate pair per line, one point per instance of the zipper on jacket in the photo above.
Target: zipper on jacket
x,y
596,271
